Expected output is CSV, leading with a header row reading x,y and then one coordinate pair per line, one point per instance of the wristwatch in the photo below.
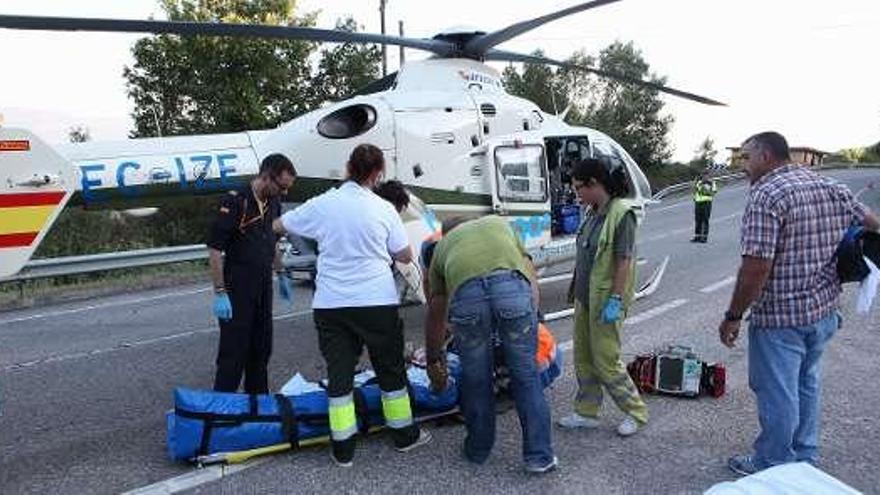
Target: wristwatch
x,y
730,316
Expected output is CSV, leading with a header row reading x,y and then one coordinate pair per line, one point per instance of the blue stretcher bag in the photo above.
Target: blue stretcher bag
x,y
205,422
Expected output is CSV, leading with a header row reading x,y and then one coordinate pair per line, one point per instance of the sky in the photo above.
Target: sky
x,y
807,69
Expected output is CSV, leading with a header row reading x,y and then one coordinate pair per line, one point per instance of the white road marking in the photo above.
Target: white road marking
x,y
632,320
718,285
653,312
194,478
650,210
129,345
555,278
104,305
685,230
565,313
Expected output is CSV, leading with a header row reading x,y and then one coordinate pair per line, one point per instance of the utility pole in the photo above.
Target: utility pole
x,y
400,29
384,46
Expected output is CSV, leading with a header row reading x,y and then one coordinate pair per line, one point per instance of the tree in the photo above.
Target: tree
x,y
705,154
628,113
79,134
346,68
537,83
853,155
202,84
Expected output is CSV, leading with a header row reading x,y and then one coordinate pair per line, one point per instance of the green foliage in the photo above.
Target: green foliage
x,y
671,173
867,154
872,153
77,231
211,84
345,68
202,84
705,154
207,84
539,84
630,114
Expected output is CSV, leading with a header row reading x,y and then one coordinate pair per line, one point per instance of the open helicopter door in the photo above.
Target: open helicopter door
x,y
35,184
520,189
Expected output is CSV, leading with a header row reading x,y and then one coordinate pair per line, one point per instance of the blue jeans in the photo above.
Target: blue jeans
x,y
785,375
500,303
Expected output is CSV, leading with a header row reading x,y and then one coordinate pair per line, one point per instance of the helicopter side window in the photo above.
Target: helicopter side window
x,y
613,156
636,175
347,122
520,173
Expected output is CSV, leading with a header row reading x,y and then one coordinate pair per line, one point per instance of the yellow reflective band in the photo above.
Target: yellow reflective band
x,y
396,408
343,423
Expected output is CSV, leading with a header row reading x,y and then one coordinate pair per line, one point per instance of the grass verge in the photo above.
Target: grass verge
x,y
24,294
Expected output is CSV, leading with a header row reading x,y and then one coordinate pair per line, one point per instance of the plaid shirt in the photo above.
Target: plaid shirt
x,y
796,218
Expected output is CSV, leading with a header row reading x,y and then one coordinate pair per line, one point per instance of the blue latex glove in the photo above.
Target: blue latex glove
x,y
222,306
285,288
612,310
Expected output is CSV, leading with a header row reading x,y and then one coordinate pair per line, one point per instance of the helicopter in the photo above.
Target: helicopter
x,y
449,130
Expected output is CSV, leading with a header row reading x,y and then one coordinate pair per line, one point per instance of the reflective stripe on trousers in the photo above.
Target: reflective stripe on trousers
x,y
396,408
343,422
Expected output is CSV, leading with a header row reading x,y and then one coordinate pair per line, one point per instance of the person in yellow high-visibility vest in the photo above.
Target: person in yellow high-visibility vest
x,y
704,191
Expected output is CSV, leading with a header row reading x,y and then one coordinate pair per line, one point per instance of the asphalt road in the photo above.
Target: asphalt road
x,y
84,387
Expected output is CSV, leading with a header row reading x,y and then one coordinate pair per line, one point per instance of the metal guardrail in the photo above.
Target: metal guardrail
x,y
666,191
75,265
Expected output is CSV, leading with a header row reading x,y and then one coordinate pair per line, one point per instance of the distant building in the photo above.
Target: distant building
x,y
804,156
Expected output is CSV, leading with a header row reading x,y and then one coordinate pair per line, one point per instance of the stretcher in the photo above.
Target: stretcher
x,y
212,427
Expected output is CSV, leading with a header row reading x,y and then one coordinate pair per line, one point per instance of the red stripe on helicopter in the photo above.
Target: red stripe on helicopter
x,y
17,240
15,145
31,199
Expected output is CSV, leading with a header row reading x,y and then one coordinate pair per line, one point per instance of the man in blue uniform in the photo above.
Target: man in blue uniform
x,y
242,252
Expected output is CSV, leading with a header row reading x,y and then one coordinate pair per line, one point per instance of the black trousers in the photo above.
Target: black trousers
x,y
702,212
246,339
342,334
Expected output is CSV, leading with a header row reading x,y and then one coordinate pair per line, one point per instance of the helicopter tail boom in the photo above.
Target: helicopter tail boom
x,y
35,184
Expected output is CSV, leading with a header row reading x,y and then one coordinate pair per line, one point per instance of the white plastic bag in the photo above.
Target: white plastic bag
x,y
408,278
868,288
797,478
298,385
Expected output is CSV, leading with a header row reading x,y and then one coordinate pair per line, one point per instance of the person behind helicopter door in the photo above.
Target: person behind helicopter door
x,y
242,250
603,290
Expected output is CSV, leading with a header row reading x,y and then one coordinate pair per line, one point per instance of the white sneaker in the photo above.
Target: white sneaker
x,y
550,466
424,438
575,420
628,427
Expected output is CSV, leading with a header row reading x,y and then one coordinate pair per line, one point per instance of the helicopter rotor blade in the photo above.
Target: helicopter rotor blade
x,y
43,23
499,55
480,45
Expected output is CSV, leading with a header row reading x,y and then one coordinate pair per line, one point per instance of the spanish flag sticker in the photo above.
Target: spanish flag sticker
x,y
23,215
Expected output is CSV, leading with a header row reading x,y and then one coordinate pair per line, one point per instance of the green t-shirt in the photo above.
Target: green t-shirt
x,y
473,249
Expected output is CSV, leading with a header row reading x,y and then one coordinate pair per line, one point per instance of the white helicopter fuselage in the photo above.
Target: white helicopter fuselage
x,y
447,127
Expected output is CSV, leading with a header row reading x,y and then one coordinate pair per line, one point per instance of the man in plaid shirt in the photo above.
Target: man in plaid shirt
x,y
793,221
